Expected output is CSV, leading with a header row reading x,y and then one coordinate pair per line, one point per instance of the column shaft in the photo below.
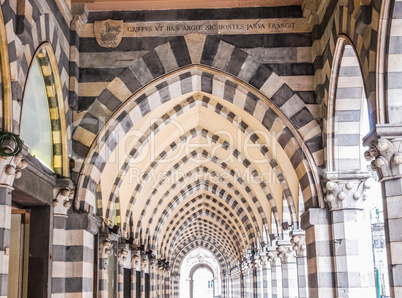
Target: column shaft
x,y
321,278
5,222
353,257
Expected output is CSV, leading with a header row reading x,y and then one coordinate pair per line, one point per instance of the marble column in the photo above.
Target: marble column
x,y
289,269
386,157
276,272
299,246
351,231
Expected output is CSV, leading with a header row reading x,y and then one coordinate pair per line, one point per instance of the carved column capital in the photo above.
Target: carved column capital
x,y
123,253
105,251
273,258
346,194
62,201
264,260
386,158
299,246
286,254
144,264
10,169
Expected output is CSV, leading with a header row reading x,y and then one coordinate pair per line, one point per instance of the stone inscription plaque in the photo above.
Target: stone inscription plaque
x,y
169,28
261,26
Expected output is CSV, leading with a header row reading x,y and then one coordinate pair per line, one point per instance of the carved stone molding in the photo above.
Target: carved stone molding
x,y
10,169
286,254
386,158
299,246
346,194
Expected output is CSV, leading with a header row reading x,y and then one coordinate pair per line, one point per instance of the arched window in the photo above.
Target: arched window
x,y
42,118
36,130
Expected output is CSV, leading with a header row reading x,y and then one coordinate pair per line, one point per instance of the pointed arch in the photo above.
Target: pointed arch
x,y
347,99
46,59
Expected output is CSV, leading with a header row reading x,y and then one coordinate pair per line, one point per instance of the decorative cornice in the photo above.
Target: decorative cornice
x,y
346,194
385,158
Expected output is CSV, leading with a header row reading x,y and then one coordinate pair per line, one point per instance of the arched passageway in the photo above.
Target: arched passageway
x,y
234,130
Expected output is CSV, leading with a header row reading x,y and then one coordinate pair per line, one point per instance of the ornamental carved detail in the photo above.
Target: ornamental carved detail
x,y
343,194
386,159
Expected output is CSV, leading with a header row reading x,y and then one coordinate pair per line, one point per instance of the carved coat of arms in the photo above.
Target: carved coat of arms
x,y
108,33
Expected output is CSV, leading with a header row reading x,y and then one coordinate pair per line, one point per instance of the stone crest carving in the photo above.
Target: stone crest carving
x,y
108,33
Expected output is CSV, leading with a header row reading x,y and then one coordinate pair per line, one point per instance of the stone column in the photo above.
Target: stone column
x,y
321,277
223,285
167,284
352,247
135,270
122,258
10,169
175,281
299,246
387,161
62,201
144,271
244,280
289,269
252,284
276,272
105,251
266,279
258,273
153,271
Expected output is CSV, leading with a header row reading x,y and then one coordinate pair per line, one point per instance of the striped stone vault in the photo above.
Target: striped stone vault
x,y
241,135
